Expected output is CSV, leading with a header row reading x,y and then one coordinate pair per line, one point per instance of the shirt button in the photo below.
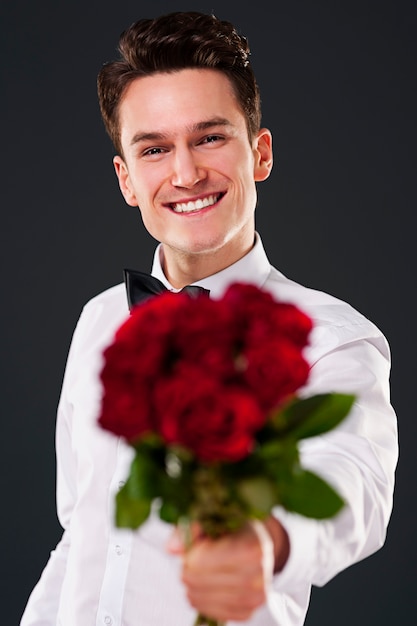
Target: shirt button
x,y
108,620
118,549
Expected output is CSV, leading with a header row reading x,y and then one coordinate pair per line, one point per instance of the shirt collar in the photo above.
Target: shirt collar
x,y
253,268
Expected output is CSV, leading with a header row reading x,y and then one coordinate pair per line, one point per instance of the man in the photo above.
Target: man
x,y
183,110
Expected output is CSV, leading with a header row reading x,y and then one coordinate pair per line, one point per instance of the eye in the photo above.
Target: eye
x,y
153,151
212,139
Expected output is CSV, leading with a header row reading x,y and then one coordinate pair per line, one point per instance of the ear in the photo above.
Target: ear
x,y
125,185
263,155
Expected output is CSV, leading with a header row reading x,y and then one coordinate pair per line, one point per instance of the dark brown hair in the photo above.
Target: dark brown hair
x,y
173,42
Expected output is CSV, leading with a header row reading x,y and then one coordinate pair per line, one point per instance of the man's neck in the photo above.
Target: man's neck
x,y
182,269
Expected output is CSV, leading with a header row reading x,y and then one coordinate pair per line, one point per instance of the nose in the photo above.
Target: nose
x,y
186,172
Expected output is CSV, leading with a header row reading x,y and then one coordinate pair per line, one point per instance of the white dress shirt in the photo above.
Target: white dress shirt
x,y
100,575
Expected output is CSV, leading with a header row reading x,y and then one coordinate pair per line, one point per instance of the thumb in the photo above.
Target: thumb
x,y
183,537
175,543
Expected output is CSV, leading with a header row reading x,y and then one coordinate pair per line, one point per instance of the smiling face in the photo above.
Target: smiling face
x,y
190,167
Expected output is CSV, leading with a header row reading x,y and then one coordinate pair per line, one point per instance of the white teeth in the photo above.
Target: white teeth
x,y
187,207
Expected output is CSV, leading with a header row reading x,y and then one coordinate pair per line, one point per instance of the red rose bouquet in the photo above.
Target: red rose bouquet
x,y
206,393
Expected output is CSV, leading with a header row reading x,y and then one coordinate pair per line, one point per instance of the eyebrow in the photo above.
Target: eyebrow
x,y
194,128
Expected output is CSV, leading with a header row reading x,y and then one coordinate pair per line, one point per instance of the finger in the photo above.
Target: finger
x,y
224,605
175,544
182,537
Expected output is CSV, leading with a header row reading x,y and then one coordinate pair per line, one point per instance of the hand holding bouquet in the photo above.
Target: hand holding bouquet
x,y
205,391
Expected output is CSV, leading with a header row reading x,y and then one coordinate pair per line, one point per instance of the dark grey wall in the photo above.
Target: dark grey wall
x,y
339,94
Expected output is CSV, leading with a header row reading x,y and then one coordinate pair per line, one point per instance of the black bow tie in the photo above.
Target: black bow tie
x,y
141,286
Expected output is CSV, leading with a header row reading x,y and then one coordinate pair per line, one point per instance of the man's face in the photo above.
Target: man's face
x,y
188,163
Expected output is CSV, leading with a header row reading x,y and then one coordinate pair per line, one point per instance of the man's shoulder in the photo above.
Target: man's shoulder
x,y
102,314
110,297
324,308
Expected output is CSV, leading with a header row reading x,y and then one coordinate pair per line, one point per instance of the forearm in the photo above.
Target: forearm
x,y
321,549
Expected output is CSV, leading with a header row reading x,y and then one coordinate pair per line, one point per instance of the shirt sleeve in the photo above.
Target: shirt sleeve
x,y
358,458
43,604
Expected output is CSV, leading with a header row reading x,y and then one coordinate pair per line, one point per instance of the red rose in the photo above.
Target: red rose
x,y
126,408
141,351
272,337
149,334
215,422
261,317
206,335
274,372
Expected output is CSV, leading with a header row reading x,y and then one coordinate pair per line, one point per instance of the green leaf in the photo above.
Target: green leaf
x,y
134,499
130,511
309,417
309,495
279,452
258,494
143,478
168,512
